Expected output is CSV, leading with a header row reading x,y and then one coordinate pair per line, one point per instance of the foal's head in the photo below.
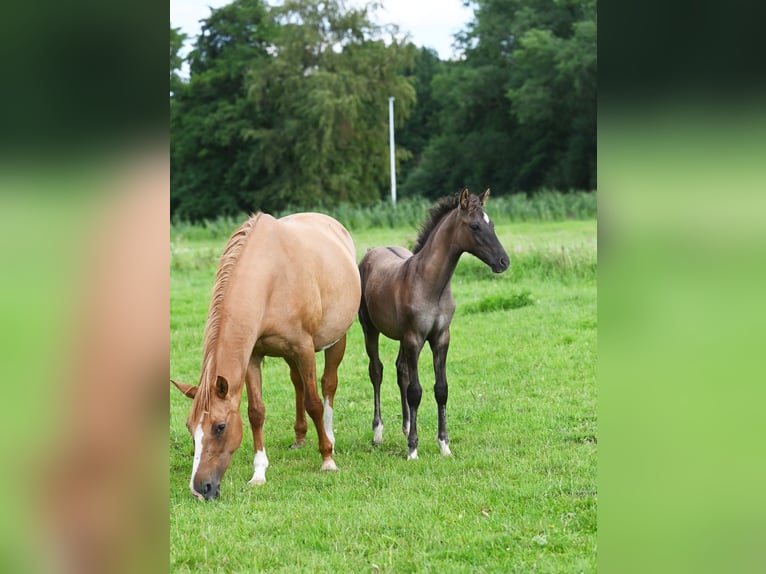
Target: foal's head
x,y
475,232
216,428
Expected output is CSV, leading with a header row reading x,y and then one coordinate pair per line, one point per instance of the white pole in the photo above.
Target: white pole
x,y
391,146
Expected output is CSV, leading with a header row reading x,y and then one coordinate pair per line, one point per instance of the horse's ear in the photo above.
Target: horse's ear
x,y
221,387
188,390
484,196
464,196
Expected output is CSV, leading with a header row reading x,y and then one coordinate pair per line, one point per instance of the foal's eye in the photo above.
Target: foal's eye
x,y
474,227
219,428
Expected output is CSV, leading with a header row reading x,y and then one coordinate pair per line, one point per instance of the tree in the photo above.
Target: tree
x,y
177,39
423,122
213,171
325,93
518,111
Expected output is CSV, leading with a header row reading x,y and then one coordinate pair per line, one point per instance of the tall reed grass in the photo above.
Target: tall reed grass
x,y
545,205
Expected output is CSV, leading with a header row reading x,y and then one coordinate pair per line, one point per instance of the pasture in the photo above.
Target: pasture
x,y
518,494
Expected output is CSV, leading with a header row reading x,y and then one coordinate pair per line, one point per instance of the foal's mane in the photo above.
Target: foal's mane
x,y
228,262
444,206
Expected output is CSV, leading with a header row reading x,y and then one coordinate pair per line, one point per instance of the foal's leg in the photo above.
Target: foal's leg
x,y
300,425
402,379
306,364
409,351
332,358
256,412
439,347
371,339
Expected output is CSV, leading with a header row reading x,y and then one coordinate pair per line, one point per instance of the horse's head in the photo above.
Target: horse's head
x,y
476,232
216,429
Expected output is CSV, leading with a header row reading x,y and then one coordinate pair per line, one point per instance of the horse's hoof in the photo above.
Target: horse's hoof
x,y
444,447
413,454
257,481
328,464
378,435
299,443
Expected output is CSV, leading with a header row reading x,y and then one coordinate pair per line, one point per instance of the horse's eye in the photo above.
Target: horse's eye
x,y
474,227
219,428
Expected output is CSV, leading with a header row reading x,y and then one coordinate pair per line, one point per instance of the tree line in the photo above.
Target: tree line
x,y
288,106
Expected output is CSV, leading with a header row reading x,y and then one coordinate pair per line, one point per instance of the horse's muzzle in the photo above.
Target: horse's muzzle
x,y
500,265
209,489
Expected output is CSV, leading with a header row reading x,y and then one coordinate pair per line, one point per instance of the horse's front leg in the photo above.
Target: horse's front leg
x,y
439,347
256,412
409,351
300,427
403,380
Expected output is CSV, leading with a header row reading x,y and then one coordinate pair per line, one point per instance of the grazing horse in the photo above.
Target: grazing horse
x,y
284,288
407,297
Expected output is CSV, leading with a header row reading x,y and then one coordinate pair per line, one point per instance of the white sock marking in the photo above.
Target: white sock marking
x,y
328,422
260,464
413,455
377,436
329,464
198,434
444,447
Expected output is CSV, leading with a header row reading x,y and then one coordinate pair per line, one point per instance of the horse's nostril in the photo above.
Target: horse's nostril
x,y
208,488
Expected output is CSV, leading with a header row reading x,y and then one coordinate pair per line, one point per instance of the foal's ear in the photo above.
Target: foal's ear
x,y
221,387
188,390
483,197
464,196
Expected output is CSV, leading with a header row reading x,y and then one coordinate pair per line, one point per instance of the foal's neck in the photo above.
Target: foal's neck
x,y
438,258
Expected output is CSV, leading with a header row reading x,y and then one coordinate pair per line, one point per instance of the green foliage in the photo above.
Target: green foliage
x,y
177,39
325,96
287,106
498,302
519,111
212,168
411,213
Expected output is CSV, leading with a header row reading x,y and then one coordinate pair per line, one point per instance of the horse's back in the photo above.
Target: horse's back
x,y
381,270
319,233
320,262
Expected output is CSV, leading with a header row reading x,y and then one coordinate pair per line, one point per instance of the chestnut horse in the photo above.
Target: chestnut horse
x,y
407,297
284,288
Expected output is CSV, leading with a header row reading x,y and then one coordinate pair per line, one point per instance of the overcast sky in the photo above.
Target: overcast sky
x,y
431,23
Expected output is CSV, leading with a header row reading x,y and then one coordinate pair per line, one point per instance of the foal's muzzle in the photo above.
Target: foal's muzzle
x,y
501,264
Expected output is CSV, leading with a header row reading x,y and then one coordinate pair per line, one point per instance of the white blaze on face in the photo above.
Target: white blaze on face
x,y
198,434
486,218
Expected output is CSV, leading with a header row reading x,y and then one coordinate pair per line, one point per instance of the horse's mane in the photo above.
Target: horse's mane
x,y
436,214
227,264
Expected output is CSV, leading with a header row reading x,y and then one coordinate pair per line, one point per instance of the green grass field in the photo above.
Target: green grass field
x,y
519,493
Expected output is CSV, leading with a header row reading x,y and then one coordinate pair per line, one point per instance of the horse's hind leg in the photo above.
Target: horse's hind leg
x,y
256,412
306,364
371,339
332,358
300,425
